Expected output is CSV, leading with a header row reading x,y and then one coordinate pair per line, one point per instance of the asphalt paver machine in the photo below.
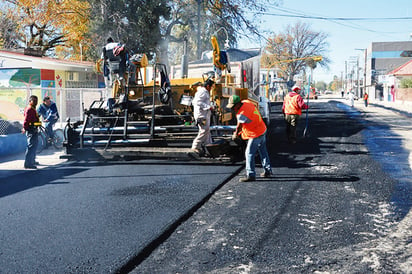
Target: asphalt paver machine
x,y
152,120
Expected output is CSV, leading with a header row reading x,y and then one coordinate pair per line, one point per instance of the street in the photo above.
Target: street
x,y
339,201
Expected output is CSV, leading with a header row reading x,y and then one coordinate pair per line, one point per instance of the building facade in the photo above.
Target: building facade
x,y
392,83
23,75
381,58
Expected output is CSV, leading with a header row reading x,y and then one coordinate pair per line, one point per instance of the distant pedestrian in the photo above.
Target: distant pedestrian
x,y
366,98
351,98
30,127
251,127
292,109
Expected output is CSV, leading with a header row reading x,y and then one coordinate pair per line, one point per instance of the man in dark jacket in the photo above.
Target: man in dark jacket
x,y
48,111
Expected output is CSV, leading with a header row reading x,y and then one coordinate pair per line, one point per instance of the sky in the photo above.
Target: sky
x,y
344,36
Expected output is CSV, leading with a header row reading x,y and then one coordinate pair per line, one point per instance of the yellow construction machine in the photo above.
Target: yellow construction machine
x,y
158,113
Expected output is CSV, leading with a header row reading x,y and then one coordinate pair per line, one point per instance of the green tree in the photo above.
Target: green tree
x,y
406,83
289,50
227,19
153,26
134,23
336,84
321,86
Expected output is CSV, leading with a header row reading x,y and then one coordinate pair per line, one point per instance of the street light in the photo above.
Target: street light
x,y
354,60
311,63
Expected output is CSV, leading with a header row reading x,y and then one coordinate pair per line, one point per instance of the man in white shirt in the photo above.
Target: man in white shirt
x,y
202,113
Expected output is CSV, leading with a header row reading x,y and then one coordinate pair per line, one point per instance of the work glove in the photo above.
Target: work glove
x,y
201,121
234,136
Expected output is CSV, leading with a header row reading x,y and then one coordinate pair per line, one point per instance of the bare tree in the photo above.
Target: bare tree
x,y
290,50
8,37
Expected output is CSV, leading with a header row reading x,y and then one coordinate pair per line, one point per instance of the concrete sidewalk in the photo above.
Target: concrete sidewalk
x,y
402,107
14,164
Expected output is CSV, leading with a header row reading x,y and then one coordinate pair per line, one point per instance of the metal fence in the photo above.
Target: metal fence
x,y
70,102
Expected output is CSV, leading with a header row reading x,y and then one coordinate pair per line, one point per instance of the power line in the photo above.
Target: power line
x,y
337,18
343,21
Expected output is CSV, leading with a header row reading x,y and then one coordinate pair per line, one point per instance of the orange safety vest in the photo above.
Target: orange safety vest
x,y
291,104
257,126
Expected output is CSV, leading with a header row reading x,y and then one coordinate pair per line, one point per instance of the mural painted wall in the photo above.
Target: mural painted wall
x,y
16,86
48,84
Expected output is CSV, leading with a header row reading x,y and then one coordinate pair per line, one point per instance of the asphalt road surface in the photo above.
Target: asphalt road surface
x,y
96,217
339,201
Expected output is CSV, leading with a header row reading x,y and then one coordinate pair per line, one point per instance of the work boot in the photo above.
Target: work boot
x,y
266,174
199,152
247,179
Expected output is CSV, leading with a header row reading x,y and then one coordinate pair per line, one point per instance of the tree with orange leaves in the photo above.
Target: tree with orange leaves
x,y
51,27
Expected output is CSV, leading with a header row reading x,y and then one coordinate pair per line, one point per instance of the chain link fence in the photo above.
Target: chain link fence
x,y
70,102
9,127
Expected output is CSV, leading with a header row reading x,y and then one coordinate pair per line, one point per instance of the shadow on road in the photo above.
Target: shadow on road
x,y
326,127
35,178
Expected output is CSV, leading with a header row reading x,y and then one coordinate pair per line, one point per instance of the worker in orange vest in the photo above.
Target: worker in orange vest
x,y
292,109
366,98
251,127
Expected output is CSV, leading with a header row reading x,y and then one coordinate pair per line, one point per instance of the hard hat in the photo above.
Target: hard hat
x,y
233,100
295,88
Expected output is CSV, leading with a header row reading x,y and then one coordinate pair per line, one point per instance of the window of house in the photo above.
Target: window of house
x,y
70,76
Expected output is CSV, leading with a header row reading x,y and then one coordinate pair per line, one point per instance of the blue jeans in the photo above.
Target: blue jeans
x,y
32,141
254,145
49,128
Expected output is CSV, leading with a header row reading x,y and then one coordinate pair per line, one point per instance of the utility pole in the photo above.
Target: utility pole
x,y
357,76
364,69
346,76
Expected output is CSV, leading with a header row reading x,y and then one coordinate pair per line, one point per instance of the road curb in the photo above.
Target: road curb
x,y
12,144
